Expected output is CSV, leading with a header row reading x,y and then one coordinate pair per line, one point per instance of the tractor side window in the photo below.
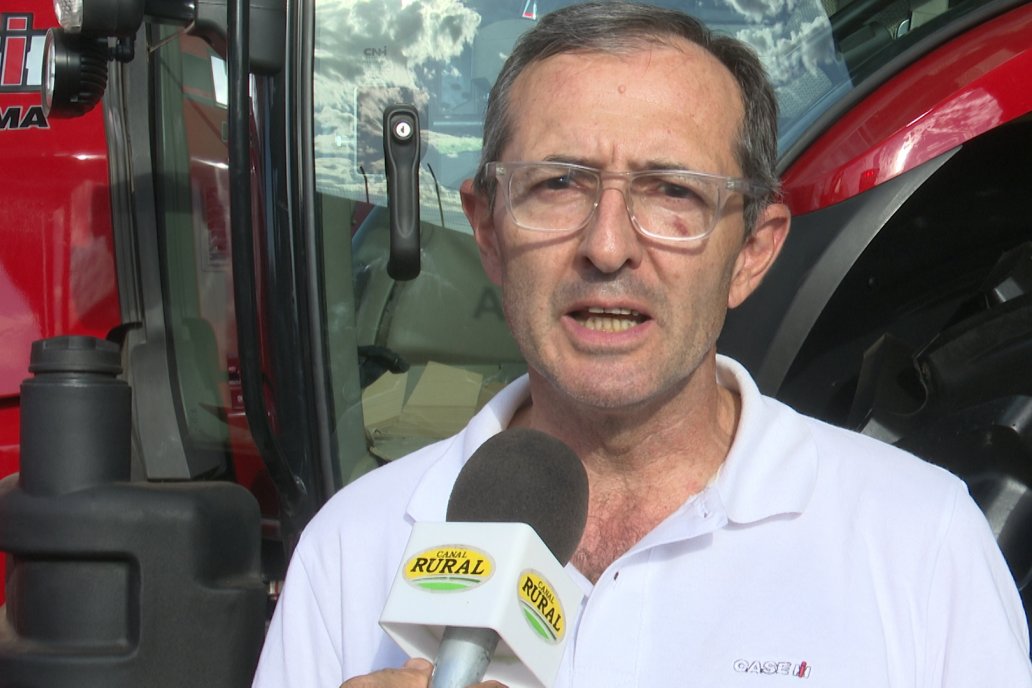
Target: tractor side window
x,y
432,350
193,192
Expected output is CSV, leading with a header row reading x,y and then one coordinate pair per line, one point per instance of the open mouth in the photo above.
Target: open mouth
x,y
608,319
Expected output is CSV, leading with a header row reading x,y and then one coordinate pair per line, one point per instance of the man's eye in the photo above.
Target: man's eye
x,y
556,183
671,190
565,183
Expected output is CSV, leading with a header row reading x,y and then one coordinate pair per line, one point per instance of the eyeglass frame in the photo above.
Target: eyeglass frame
x,y
727,185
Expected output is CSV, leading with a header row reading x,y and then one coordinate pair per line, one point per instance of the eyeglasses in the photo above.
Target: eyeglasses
x,y
668,205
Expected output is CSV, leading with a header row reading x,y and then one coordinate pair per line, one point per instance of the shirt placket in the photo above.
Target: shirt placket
x,y
609,641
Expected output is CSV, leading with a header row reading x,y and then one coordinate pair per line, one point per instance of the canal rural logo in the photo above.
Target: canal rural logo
x,y
541,606
448,568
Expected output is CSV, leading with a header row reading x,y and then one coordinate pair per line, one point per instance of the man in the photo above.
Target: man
x,y
627,199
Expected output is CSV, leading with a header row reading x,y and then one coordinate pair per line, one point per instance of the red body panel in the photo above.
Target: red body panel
x,y
976,82
57,268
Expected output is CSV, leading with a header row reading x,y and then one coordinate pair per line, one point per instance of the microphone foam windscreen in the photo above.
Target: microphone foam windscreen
x,y
525,476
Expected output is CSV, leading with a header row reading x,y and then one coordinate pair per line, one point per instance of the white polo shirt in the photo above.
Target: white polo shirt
x,y
817,557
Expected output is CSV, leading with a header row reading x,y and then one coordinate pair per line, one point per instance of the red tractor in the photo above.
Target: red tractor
x,y
235,275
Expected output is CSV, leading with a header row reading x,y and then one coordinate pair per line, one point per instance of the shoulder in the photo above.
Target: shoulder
x,y
374,514
878,483
770,426
787,462
868,459
363,511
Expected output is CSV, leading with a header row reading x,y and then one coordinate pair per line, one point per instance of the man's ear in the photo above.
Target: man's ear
x,y
481,219
759,252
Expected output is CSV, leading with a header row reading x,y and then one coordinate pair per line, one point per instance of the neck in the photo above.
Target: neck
x,y
642,462
687,430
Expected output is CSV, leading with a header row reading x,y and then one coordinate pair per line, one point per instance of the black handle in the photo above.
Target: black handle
x,y
401,157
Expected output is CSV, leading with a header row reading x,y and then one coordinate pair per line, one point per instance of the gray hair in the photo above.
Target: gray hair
x,y
624,27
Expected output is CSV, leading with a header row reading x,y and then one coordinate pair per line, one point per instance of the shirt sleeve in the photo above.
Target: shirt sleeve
x,y
301,650
977,631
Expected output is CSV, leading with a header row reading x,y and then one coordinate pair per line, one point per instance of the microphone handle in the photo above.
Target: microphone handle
x,y
463,656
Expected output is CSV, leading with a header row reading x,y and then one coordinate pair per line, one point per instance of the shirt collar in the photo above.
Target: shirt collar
x,y
426,503
771,468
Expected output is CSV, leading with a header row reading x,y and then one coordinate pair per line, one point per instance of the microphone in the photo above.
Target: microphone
x,y
517,476
486,591
525,476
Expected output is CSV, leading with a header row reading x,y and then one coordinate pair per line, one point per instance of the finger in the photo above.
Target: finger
x,y
413,674
418,664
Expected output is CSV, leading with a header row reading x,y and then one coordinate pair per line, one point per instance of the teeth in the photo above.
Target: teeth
x,y
627,319
608,324
613,311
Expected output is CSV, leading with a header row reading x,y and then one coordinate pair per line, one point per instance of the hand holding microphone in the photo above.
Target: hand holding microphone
x,y
415,673
492,575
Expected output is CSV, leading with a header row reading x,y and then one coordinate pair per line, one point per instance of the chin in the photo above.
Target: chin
x,y
614,395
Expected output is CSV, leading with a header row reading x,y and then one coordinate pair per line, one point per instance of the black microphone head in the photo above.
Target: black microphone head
x,y
525,476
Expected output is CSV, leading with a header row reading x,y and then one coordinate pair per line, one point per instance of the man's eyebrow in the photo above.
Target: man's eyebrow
x,y
652,164
569,160
666,164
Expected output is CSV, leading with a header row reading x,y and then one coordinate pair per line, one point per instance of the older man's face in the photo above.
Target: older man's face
x,y
610,318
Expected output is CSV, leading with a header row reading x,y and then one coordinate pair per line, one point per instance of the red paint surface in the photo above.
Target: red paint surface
x,y
57,270
974,83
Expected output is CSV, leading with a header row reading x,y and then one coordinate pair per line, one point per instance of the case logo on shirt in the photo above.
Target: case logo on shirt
x,y
448,568
541,606
772,668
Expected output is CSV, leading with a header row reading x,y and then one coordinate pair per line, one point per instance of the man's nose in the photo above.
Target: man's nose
x,y
610,241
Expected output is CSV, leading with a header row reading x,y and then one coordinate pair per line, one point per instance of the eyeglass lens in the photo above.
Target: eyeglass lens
x,y
555,197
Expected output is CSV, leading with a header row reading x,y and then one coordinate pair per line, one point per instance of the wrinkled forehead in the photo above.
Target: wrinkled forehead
x,y
671,101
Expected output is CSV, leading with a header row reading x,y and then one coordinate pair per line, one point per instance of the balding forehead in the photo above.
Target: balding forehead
x,y
696,91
